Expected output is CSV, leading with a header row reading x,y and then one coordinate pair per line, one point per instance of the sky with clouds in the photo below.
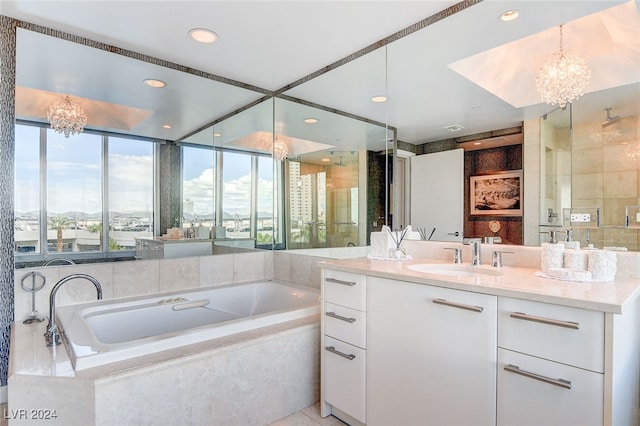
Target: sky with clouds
x,y
74,175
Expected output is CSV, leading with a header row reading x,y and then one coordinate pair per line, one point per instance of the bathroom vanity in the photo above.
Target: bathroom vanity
x,y
459,345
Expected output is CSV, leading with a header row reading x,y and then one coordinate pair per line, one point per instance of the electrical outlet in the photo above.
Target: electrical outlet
x,y
580,217
637,217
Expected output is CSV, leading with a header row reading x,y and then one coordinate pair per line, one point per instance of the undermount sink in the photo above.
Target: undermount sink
x,y
455,270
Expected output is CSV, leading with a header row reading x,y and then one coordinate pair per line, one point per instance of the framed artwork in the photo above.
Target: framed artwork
x,y
497,194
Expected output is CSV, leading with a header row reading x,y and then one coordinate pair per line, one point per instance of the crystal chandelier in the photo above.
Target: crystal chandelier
x,y
279,150
66,117
563,78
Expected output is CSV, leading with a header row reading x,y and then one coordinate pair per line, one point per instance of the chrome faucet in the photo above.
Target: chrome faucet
x,y
475,249
52,335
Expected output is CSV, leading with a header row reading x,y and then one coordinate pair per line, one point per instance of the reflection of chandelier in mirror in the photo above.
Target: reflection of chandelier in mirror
x,y
279,150
66,117
563,78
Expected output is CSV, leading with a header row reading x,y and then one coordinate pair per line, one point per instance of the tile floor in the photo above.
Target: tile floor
x,y
310,416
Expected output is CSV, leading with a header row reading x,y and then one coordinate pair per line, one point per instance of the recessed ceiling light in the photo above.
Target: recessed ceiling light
x,y
379,99
477,143
326,160
509,15
167,126
152,82
217,135
202,35
454,128
311,120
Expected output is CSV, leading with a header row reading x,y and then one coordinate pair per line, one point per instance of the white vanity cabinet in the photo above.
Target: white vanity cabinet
x,y
343,359
397,352
431,355
556,365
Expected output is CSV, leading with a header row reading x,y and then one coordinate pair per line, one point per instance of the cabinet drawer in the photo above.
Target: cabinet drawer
x,y
542,392
345,289
344,377
346,324
558,333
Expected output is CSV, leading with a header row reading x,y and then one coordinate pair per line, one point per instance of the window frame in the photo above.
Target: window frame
x,y
36,258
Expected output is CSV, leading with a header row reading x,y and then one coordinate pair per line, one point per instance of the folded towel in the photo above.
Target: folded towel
x,y
391,244
569,274
576,259
602,264
379,244
552,256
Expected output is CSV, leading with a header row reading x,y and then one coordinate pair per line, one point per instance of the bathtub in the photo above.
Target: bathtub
x,y
104,332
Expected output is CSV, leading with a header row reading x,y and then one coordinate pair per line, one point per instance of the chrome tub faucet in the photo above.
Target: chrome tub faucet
x,y
52,336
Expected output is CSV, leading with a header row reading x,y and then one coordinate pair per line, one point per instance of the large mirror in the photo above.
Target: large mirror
x,y
336,182
590,162
223,181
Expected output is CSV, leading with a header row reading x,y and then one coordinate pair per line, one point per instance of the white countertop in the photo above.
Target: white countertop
x,y
516,282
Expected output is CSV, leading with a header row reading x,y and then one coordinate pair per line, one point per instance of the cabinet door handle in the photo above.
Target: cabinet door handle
x,y
337,281
556,382
549,321
333,350
458,305
340,317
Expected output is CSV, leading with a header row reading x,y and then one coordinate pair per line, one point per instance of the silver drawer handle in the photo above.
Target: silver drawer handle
x,y
549,321
556,382
333,350
458,305
337,281
340,317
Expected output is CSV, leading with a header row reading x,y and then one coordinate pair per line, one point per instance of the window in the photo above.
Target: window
x,y
74,192
130,192
27,189
68,188
236,194
198,187
231,190
265,206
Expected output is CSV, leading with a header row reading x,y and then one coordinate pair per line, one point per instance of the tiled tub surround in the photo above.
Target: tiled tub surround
x,y
254,377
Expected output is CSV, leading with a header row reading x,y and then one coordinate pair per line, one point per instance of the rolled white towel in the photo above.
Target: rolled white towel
x,y
552,256
571,244
569,274
602,264
379,244
576,259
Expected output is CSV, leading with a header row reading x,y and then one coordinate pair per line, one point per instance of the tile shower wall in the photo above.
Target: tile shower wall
x,y
142,277
606,174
